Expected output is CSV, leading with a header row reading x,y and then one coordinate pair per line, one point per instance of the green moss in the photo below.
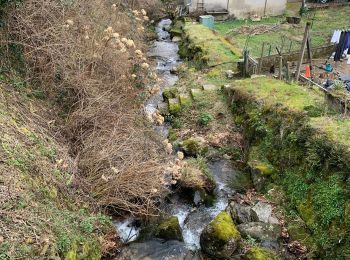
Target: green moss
x,y
307,214
265,169
169,93
172,136
185,99
169,229
273,91
193,147
223,227
258,253
174,106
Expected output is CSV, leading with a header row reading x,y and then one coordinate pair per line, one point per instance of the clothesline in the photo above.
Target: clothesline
x,y
342,39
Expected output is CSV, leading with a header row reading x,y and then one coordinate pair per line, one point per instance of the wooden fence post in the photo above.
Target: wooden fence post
x,y
302,51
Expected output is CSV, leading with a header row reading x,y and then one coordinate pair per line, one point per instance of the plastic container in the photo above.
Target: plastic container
x,y
207,20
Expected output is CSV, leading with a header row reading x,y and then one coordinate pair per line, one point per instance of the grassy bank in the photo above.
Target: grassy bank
x,y
286,124
204,46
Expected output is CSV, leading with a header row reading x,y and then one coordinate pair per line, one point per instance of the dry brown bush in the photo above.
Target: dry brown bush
x,y
67,49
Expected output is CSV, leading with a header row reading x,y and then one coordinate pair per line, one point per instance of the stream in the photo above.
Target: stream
x,y
193,217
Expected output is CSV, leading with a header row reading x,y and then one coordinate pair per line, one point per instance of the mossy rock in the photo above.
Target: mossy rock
x,y
195,178
220,239
174,106
169,93
258,253
169,229
194,147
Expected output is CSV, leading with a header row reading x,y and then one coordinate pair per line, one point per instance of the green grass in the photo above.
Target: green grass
x,y
335,128
275,91
324,22
218,49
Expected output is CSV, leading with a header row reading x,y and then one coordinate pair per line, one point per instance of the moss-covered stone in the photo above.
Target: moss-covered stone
x,y
194,146
169,93
258,253
174,106
169,229
220,238
197,177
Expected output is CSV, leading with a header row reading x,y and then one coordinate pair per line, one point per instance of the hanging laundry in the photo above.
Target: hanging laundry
x,y
336,36
344,43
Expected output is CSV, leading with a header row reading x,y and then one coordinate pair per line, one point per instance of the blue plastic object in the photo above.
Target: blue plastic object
x,y
329,67
207,20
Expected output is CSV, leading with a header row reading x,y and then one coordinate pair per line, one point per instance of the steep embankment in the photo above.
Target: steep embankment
x,y
73,140
300,145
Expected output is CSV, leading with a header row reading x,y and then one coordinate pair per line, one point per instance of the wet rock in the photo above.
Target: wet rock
x,y
258,253
174,70
242,213
157,249
260,231
220,238
169,229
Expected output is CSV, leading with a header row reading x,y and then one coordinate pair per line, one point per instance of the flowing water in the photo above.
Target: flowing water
x,y
193,218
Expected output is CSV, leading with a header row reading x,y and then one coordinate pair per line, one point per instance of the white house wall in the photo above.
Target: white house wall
x,y
245,8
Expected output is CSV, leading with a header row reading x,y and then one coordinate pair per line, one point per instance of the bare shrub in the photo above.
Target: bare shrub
x,y
85,54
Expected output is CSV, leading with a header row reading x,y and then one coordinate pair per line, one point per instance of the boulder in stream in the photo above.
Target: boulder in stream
x,y
169,229
220,238
260,231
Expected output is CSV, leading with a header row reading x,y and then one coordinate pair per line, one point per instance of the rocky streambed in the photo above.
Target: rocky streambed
x,y
212,212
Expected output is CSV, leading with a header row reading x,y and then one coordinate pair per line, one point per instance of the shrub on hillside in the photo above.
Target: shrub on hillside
x,y
89,59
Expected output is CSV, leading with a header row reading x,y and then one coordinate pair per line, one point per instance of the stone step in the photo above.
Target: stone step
x,y
174,105
210,87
